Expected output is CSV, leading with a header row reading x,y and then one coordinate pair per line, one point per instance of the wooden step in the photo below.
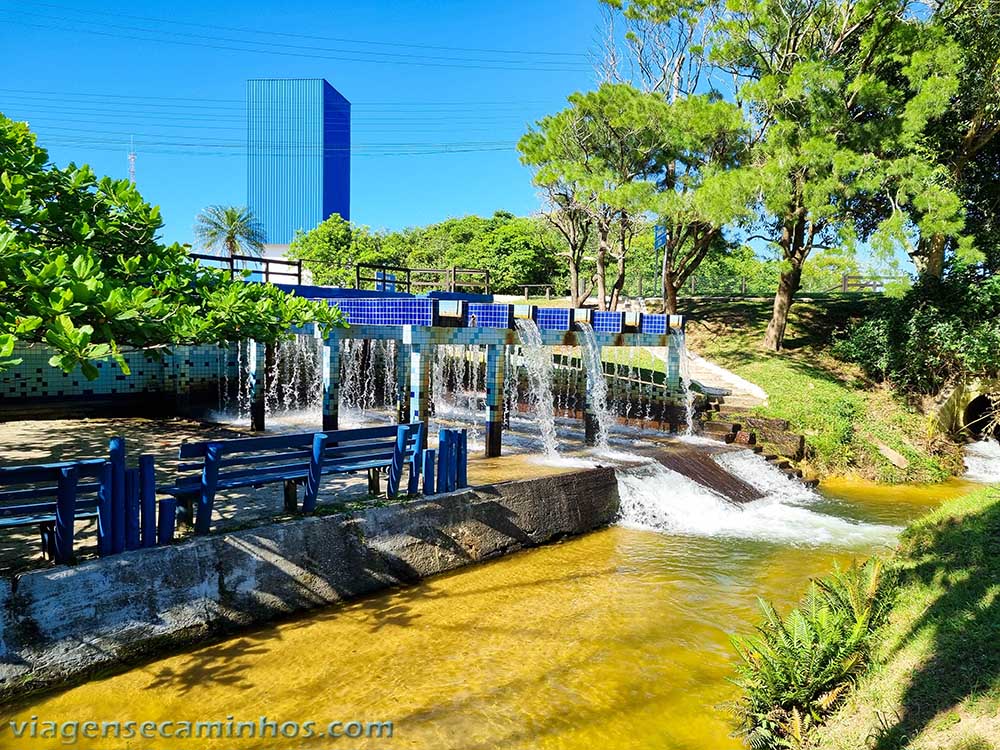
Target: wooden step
x,y
752,420
717,427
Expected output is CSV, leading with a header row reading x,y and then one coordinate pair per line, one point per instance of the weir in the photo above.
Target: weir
x,y
461,360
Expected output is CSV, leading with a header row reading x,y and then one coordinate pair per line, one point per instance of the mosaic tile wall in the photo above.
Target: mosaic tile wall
x,y
199,367
607,322
554,318
491,315
388,312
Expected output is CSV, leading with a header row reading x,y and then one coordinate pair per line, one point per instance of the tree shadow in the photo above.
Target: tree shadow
x,y
963,558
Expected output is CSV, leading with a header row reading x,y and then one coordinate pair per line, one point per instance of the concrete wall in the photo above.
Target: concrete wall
x,y
60,624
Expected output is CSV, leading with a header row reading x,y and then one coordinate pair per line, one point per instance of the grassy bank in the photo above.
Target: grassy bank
x,y
852,426
935,681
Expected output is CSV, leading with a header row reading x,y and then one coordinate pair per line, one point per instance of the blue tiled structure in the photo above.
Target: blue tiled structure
x,y
655,324
491,315
389,311
554,318
607,322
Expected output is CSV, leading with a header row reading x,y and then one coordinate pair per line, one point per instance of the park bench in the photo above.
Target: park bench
x,y
53,497
293,460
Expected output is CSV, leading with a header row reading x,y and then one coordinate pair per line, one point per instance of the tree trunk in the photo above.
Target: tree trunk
x,y
788,285
929,258
619,285
670,295
574,282
602,254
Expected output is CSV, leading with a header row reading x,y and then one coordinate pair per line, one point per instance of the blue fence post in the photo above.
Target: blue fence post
x,y
131,509
65,514
446,461
167,520
398,454
429,455
209,481
147,499
462,460
117,451
315,472
104,531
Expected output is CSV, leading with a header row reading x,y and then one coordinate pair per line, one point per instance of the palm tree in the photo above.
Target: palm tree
x,y
233,229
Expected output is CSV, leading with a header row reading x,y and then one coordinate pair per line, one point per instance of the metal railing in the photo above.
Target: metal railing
x,y
408,280
270,270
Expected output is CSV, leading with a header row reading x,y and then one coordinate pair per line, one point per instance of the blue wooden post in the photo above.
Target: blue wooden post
x,y
65,514
147,499
315,472
104,532
462,460
117,451
131,509
446,461
331,383
209,482
398,454
429,455
167,520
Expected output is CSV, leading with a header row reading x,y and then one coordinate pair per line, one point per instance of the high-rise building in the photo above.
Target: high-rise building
x,y
298,156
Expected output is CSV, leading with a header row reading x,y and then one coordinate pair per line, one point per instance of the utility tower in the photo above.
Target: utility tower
x,y
131,160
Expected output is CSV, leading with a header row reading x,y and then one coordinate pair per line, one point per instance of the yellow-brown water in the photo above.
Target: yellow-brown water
x,y
619,639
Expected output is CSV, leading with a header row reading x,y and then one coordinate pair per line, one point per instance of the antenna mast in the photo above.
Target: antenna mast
x,y
131,160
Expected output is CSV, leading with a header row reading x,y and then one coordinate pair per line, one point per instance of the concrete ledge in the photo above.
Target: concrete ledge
x,y
58,625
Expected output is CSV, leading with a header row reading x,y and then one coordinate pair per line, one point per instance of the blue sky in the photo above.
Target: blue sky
x,y
459,76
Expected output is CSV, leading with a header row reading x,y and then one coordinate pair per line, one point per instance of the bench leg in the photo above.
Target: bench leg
x,y
291,496
48,534
374,486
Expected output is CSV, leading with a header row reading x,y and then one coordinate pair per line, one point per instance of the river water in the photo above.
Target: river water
x,y
617,640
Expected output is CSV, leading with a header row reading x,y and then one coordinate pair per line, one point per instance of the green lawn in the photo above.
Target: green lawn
x,y
936,679
850,424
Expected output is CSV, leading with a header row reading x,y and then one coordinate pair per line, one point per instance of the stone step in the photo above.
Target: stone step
x,y
716,427
752,420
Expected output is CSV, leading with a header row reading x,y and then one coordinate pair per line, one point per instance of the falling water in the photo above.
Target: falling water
x,y
597,385
982,461
538,364
677,340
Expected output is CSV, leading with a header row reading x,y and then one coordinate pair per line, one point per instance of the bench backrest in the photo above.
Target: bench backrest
x,y
53,496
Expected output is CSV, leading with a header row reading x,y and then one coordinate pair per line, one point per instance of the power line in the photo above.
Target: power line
x,y
156,35
323,38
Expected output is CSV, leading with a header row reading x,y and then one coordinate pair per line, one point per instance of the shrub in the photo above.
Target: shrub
x,y
796,669
934,333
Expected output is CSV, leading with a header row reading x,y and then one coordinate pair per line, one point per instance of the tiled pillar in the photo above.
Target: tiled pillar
x,y
421,357
495,376
331,383
180,362
258,385
402,382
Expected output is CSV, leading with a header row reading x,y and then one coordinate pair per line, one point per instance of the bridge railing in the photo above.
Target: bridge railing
x,y
270,270
414,280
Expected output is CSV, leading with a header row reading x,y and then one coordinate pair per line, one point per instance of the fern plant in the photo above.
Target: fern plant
x,y
796,668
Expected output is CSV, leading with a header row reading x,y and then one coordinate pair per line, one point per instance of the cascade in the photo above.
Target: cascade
x,y
537,360
597,385
982,461
678,341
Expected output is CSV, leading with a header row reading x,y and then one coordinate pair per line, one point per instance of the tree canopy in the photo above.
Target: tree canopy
x,y
81,270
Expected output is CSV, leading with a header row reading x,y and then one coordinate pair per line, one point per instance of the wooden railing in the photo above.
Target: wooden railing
x,y
271,270
409,280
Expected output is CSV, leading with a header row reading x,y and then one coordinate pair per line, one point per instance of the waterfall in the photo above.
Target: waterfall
x,y
982,461
538,364
597,385
677,340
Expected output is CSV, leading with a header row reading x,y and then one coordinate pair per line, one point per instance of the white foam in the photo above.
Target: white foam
x,y
656,498
982,461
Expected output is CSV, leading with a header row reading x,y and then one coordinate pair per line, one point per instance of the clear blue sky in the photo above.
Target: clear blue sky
x,y
424,77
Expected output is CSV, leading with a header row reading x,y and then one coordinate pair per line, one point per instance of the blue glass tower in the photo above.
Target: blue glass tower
x,y
298,154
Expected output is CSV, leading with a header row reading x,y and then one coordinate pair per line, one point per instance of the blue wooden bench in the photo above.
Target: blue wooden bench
x,y
293,460
53,497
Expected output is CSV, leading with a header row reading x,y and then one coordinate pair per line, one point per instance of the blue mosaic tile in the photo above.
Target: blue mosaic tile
x,y
653,323
486,315
388,312
553,318
607,322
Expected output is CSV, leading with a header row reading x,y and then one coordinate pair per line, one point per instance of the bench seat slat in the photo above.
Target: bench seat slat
x,y
9,523
48,472
33,492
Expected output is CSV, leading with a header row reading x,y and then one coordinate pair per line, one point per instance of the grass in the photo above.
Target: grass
x,y
935,682
850,424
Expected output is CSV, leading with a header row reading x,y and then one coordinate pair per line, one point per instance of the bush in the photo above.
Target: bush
x,y
936,332
794,672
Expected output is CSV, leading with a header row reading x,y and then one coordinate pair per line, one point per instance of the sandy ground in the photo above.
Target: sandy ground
x,y
29,442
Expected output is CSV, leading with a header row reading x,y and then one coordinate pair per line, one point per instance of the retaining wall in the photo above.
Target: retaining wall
x,y
60,624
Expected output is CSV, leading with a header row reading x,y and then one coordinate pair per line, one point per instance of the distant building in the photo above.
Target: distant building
x,y
298,156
